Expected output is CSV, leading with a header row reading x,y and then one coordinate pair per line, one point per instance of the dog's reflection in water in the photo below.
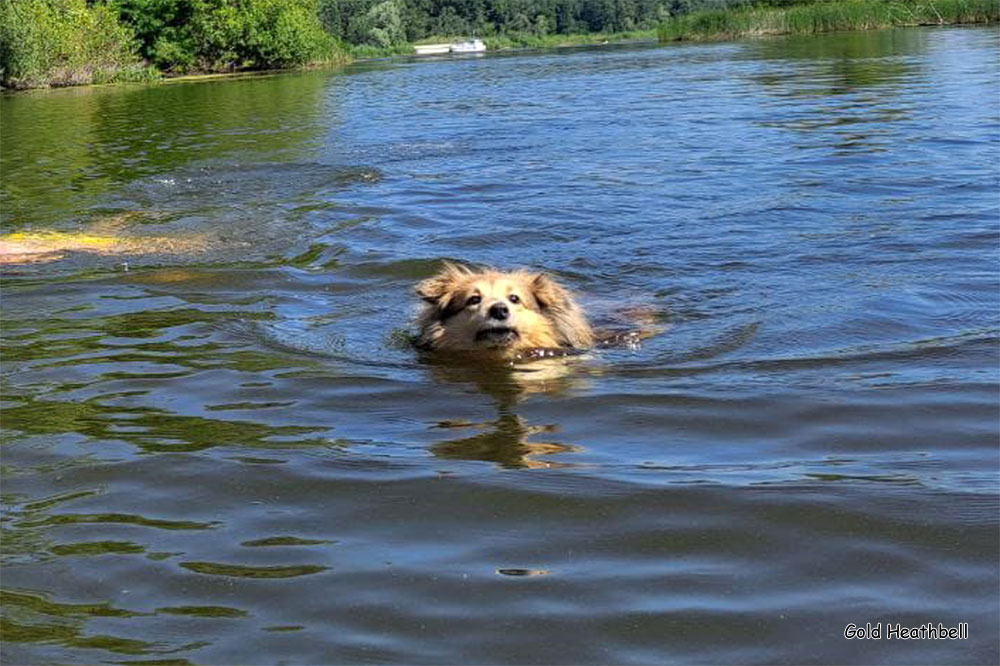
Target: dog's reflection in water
x,y
508,440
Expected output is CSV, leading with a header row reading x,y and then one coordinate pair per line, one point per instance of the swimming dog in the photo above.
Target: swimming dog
x,y
499,314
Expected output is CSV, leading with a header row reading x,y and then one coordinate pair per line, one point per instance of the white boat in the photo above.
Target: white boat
x,y
469,46
432,49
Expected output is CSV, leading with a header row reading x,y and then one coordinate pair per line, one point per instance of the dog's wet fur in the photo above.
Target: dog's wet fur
x,y
500,314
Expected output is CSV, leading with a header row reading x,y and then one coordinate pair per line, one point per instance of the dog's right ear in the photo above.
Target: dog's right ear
x,y
435,289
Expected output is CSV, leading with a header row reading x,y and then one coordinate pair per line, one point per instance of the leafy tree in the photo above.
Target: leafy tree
x,y
386,24
351,20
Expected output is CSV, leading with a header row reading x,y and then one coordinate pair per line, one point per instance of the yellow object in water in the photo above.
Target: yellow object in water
x,y
59,240
43,246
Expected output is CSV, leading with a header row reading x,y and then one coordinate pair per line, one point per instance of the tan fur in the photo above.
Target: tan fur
x,y
542,313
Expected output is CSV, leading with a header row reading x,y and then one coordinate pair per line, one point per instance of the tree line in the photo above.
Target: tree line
x,y
66,42
386,22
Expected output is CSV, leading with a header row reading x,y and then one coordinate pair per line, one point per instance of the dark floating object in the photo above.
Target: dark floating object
x,y
285,541
523,572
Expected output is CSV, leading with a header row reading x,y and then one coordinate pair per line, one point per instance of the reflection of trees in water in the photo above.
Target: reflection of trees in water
x,y
149,359
857,73
64,149
841,46
507,440
162,128
151,429
838,64
31,617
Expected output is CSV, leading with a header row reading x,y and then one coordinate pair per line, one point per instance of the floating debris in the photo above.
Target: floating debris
x,y
523,572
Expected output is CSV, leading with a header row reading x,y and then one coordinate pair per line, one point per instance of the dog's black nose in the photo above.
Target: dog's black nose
x,y
499,311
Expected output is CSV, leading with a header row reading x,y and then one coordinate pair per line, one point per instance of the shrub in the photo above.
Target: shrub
x,y
225,35
64,42
278,33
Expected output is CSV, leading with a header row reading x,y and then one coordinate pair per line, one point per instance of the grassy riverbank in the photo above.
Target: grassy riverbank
x,y
78,42
65,43
554,41
825,16
511,41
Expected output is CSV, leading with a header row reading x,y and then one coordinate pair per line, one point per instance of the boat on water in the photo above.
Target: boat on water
x,y
468,46
474,45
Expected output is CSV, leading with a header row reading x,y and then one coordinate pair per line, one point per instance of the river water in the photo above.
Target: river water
x,y
219,447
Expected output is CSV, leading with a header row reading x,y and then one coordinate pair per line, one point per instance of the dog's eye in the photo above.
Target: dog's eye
x,y
473,300
514,298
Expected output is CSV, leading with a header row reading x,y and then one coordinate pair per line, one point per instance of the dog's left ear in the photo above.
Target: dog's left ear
x,y
549,294
434,289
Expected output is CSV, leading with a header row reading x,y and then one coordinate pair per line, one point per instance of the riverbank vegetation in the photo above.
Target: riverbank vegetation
x,y
529,40
500,23
182,36
555,40
824,16
65,42
71,42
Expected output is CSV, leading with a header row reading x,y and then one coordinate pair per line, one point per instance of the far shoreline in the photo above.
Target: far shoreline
x,y
650,37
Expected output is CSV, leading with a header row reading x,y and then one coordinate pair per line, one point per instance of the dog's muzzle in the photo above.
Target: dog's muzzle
x,y
497,335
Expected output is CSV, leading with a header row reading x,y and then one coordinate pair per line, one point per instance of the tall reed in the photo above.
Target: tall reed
x,y
825,16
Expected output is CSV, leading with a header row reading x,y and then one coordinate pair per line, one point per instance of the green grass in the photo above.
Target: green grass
x,y
508,41
825,16
369,51
534,41
64,43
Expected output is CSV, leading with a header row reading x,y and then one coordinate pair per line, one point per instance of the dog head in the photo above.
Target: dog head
x,y
468,310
